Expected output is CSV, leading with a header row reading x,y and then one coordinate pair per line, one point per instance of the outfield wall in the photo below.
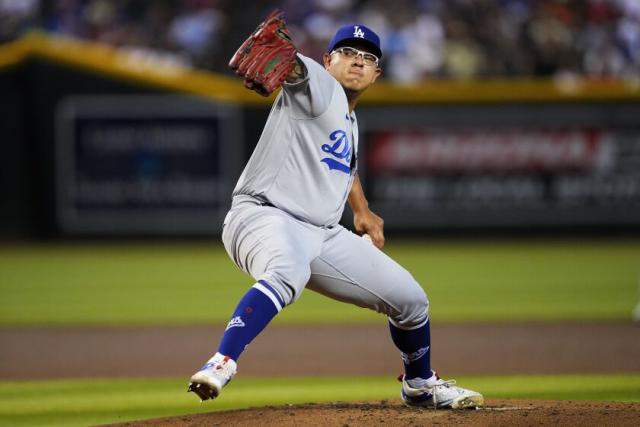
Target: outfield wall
x,y
100,141
503,165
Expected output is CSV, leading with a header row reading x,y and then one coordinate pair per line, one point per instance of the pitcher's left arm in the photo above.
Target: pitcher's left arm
x,y
364,220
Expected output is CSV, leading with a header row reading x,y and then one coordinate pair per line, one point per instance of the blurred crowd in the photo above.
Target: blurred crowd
x,y
422,39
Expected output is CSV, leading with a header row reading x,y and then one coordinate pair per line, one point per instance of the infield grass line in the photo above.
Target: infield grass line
x,y
100,401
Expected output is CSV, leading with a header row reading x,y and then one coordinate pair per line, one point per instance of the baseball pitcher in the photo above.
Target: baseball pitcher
x,y
282,228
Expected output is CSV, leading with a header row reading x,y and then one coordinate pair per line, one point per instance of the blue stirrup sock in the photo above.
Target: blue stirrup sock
x,y
255,310
415,346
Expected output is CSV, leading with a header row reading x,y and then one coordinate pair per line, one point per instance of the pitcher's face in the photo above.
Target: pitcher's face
x,y
353,66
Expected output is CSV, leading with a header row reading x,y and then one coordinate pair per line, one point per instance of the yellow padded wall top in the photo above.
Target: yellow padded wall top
x,y
148,70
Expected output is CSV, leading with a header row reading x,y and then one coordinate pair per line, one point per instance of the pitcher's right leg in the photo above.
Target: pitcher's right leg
x,y
351,269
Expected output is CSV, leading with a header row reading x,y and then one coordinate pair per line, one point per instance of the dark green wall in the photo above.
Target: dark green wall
x,y
30,95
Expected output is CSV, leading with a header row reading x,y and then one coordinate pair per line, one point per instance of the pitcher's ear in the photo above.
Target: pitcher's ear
x,y
326,60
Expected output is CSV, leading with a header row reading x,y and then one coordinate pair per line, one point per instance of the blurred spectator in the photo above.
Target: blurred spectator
x,y
422,39
195,29
16,16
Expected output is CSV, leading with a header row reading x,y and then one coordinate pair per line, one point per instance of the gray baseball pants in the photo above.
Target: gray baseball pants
x,y
288,254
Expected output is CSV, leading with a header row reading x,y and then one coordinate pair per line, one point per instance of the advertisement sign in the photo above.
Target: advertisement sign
x,y
486,177
145,164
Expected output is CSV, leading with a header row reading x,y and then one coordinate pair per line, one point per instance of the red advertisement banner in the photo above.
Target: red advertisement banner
x,y
442,152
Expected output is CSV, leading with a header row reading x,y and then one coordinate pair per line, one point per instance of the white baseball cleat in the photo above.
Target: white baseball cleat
x,y
208,382
438,393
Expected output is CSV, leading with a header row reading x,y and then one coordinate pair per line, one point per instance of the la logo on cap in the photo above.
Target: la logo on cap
x,y
357,32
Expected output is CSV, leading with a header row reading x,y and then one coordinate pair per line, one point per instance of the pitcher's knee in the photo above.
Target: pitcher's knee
x,y
413,308
288,284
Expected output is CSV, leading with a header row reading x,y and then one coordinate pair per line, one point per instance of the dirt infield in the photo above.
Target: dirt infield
x,y
535,348
393,413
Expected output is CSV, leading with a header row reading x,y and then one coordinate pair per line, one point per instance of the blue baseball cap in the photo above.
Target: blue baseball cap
x,y
356,32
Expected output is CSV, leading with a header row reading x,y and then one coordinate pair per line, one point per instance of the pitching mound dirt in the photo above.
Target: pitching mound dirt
x,y
393,413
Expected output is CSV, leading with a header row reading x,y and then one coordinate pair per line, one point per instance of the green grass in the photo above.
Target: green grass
x,y
85,402
184,283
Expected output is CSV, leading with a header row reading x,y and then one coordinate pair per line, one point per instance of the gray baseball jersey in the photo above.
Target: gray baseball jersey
x,y
283,226
305,161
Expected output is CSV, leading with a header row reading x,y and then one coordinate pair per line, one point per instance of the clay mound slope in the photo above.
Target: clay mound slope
x,y
393,413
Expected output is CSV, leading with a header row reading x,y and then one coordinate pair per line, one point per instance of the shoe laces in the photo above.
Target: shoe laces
x,y
224,367
440,383
431,389
444,383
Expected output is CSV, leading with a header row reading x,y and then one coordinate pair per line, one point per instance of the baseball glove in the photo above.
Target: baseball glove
x,y
267,57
